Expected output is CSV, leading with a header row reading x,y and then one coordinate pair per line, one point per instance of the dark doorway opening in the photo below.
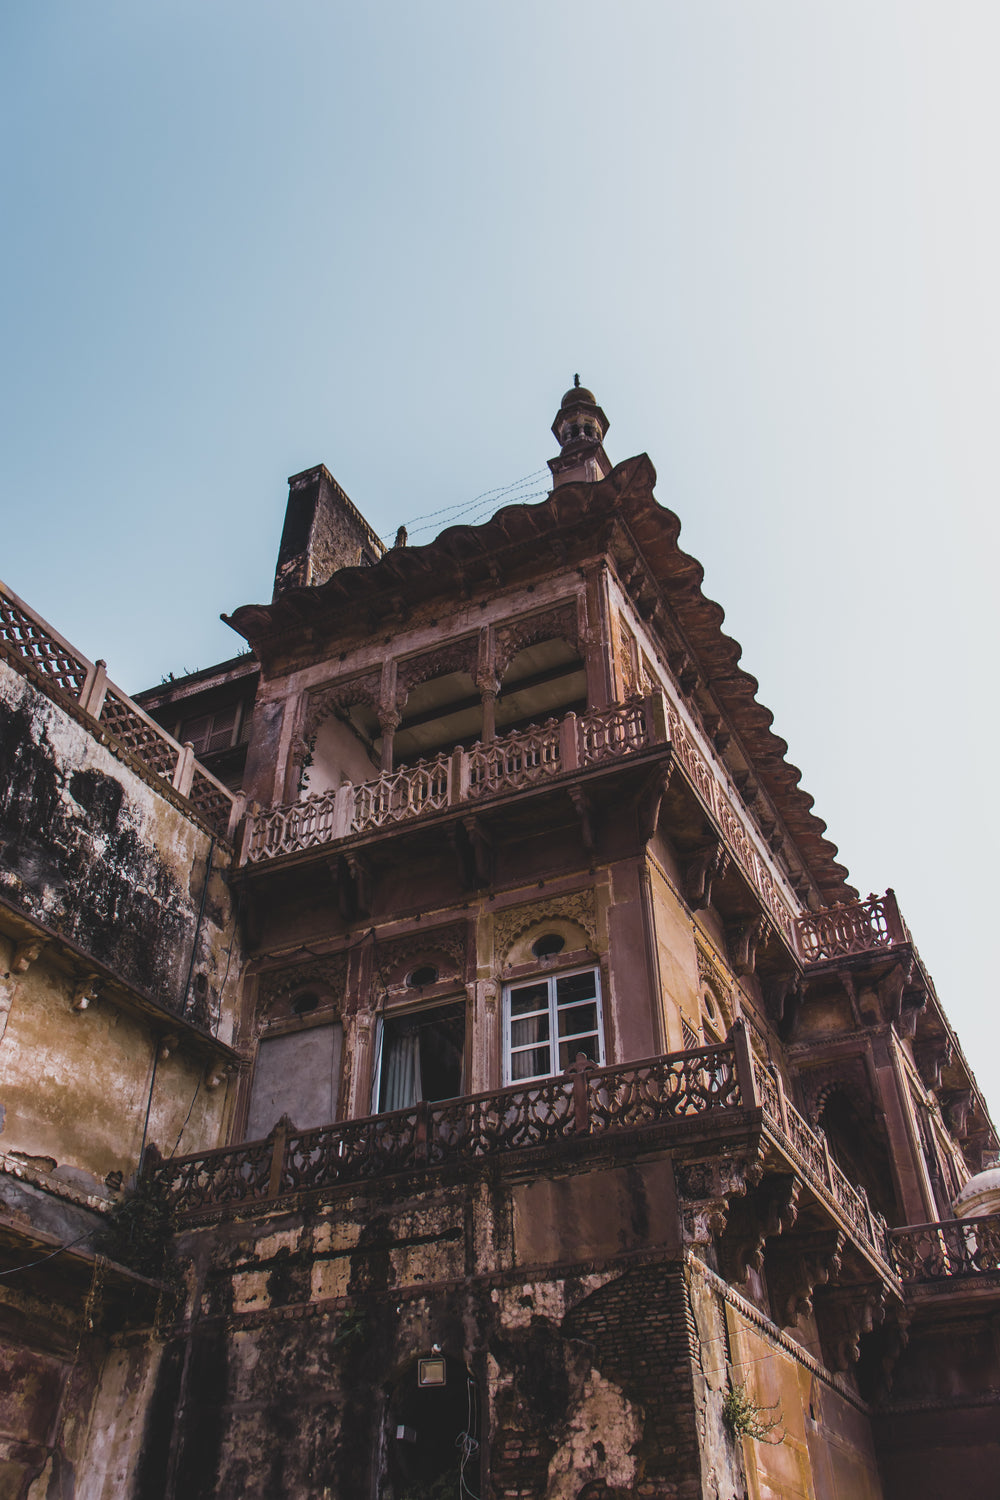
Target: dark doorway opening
x,y
434,1433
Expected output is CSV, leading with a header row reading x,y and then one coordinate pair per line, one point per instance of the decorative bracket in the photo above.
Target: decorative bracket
x,y
84,991
844,1314
474,853
25,955
765,1211
796,1266
705,1190
931,1057
647,806
585,814
957,1106
782,996
354,885
707,864
744,942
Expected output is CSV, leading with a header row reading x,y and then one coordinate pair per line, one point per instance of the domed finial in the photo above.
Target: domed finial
x,y
579,427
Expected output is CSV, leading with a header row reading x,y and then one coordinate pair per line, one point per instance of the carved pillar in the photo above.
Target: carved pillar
x,y
652,956
909,1169
488,687
599,650
388,719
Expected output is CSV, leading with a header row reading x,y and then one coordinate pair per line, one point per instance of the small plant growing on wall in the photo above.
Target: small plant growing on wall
x,y
744,1418
139,1229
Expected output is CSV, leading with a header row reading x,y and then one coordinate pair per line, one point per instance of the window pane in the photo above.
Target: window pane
x,y
529,997
576,987
529,1029
533,1063
574,1019
568,1050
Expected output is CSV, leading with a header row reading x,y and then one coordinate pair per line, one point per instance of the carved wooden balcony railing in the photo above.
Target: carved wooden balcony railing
x,y
810,1152
854,927
584,1102
53,663
932,1253
512,763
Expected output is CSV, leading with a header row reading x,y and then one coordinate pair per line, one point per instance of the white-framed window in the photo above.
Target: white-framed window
x,y
548,1021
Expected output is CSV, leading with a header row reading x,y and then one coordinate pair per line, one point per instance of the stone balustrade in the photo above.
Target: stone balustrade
x,y
39,651
932,1253
584,1102
854,927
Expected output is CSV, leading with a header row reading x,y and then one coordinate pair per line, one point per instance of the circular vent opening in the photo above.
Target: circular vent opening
x,y
549,945
426,974
303,1004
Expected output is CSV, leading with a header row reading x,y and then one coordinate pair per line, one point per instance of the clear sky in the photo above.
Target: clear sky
x,y
243,238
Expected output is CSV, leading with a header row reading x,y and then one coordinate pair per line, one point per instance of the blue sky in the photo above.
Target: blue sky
x,y
241,239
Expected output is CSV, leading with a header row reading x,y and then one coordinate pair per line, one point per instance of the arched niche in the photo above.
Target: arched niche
x,y
528,949
345,746
544,680
858,1145
297,1066
439,713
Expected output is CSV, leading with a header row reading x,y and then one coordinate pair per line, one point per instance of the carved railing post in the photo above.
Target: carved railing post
x,y
827,1163
94,688
458,781
579,1072
894,923
655,707
184,769
279,1136
569,743
779,1088
249,830
344,802
745,1077
236,813
422,1132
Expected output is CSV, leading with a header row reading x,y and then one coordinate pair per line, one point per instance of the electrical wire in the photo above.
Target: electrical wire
x,y
186,1119
467,1445
51,1255
488,498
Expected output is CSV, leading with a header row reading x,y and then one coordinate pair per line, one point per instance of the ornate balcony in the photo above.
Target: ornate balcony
x,y
855,927
513,763
659,1099
932,1254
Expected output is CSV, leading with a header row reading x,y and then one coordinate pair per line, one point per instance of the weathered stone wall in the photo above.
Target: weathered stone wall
x,y
93,855
281,1378
110,877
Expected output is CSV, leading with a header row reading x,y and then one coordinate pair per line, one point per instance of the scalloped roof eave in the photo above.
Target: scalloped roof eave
x,y
459,553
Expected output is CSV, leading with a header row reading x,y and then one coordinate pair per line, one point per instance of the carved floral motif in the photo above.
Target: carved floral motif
x,y
509,925
517,635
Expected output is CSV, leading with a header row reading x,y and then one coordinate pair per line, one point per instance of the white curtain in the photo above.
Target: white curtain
x,y
400,1070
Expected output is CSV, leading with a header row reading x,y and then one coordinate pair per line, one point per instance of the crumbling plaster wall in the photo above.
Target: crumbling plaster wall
x,y
278,1378
111,876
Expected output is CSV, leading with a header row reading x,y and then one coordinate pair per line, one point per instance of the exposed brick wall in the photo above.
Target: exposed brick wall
x,y
640,1330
